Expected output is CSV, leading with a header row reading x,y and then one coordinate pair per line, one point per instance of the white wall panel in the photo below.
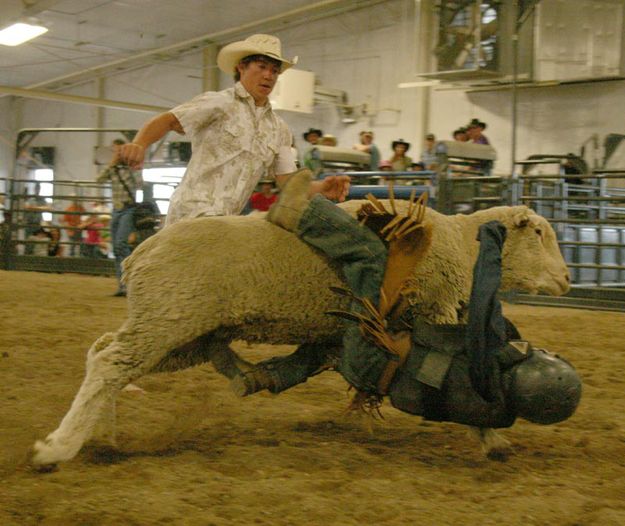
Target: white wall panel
x,y
366,54
552,120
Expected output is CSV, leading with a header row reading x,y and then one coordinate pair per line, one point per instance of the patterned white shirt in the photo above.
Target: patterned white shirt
x,y
234,144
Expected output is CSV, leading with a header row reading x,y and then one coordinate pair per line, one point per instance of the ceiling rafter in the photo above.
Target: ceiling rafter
x,y
293,17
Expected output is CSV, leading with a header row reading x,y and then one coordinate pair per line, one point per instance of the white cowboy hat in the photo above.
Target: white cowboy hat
x,y
229,56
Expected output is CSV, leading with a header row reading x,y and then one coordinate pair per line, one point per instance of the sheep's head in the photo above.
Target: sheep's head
x,y
531,260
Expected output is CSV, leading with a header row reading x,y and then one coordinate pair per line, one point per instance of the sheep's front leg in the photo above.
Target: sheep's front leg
x,y
105,430
108,370
494,446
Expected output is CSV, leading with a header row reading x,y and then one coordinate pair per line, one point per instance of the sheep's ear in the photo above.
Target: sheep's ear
x,y
521,217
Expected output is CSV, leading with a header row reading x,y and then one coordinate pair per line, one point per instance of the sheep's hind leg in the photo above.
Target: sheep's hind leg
x,y
228,363
111,364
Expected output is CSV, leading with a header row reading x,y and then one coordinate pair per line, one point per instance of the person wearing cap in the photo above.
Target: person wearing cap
x,y
400,161
312,135
366,145
474,132
236,136
429,159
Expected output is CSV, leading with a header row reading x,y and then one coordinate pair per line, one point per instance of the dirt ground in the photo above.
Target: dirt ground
x,y
191,453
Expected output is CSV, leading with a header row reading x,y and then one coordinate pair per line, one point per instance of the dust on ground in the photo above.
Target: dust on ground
x,y
191,453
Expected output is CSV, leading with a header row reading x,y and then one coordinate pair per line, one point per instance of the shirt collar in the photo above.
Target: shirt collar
x,y
241,92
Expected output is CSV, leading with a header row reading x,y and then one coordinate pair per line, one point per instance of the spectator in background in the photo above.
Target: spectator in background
x,y
384,166
54,246
313,135
328,140
71,221
124,183
429,159
94,224
573,165
400,161
5,234
264,198
310,160
38,242
474,132
366,145
33,218
460,134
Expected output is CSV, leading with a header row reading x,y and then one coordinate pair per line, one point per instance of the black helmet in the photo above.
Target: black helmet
x,y
544,388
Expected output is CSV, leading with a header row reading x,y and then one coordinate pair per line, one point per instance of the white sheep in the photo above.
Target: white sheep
x,y
199,284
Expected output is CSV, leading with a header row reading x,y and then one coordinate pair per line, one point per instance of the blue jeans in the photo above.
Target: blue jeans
x,y
121,227
362,257
359,251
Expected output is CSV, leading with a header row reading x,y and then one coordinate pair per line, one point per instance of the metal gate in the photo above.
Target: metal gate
x,y
588,214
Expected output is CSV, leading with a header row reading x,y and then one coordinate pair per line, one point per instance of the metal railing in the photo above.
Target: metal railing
x,y
588,214
50,232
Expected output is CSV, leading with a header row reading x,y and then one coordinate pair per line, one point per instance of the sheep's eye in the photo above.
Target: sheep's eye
x,y
538,231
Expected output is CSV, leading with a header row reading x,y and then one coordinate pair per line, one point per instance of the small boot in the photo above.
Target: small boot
x,y
293,200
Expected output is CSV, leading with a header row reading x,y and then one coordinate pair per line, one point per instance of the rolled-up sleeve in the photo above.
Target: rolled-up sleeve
x,y
285,160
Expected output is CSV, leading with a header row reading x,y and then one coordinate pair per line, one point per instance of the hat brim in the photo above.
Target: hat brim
x,y
232,54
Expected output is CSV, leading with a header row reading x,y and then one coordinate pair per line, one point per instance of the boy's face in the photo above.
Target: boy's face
x,y
259,78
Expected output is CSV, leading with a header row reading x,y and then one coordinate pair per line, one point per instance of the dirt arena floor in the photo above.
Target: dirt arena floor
x,y
193,454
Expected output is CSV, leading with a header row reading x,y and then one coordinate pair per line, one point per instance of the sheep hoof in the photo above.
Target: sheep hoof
x,y
37,461
46,452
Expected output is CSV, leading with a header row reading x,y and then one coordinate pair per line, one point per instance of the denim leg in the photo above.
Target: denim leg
x,y
362,257
361,254
121,227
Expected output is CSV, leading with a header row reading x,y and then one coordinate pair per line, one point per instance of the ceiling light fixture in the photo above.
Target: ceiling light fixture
x,y
19,33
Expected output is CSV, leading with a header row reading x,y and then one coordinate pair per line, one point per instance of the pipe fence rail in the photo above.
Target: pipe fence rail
x,y
587,213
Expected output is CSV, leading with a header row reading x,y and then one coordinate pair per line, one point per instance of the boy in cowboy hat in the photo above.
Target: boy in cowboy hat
x,y
235,135
400,161
313,135
310,158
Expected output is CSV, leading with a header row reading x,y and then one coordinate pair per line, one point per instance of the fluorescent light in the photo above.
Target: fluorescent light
x,y
19,33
